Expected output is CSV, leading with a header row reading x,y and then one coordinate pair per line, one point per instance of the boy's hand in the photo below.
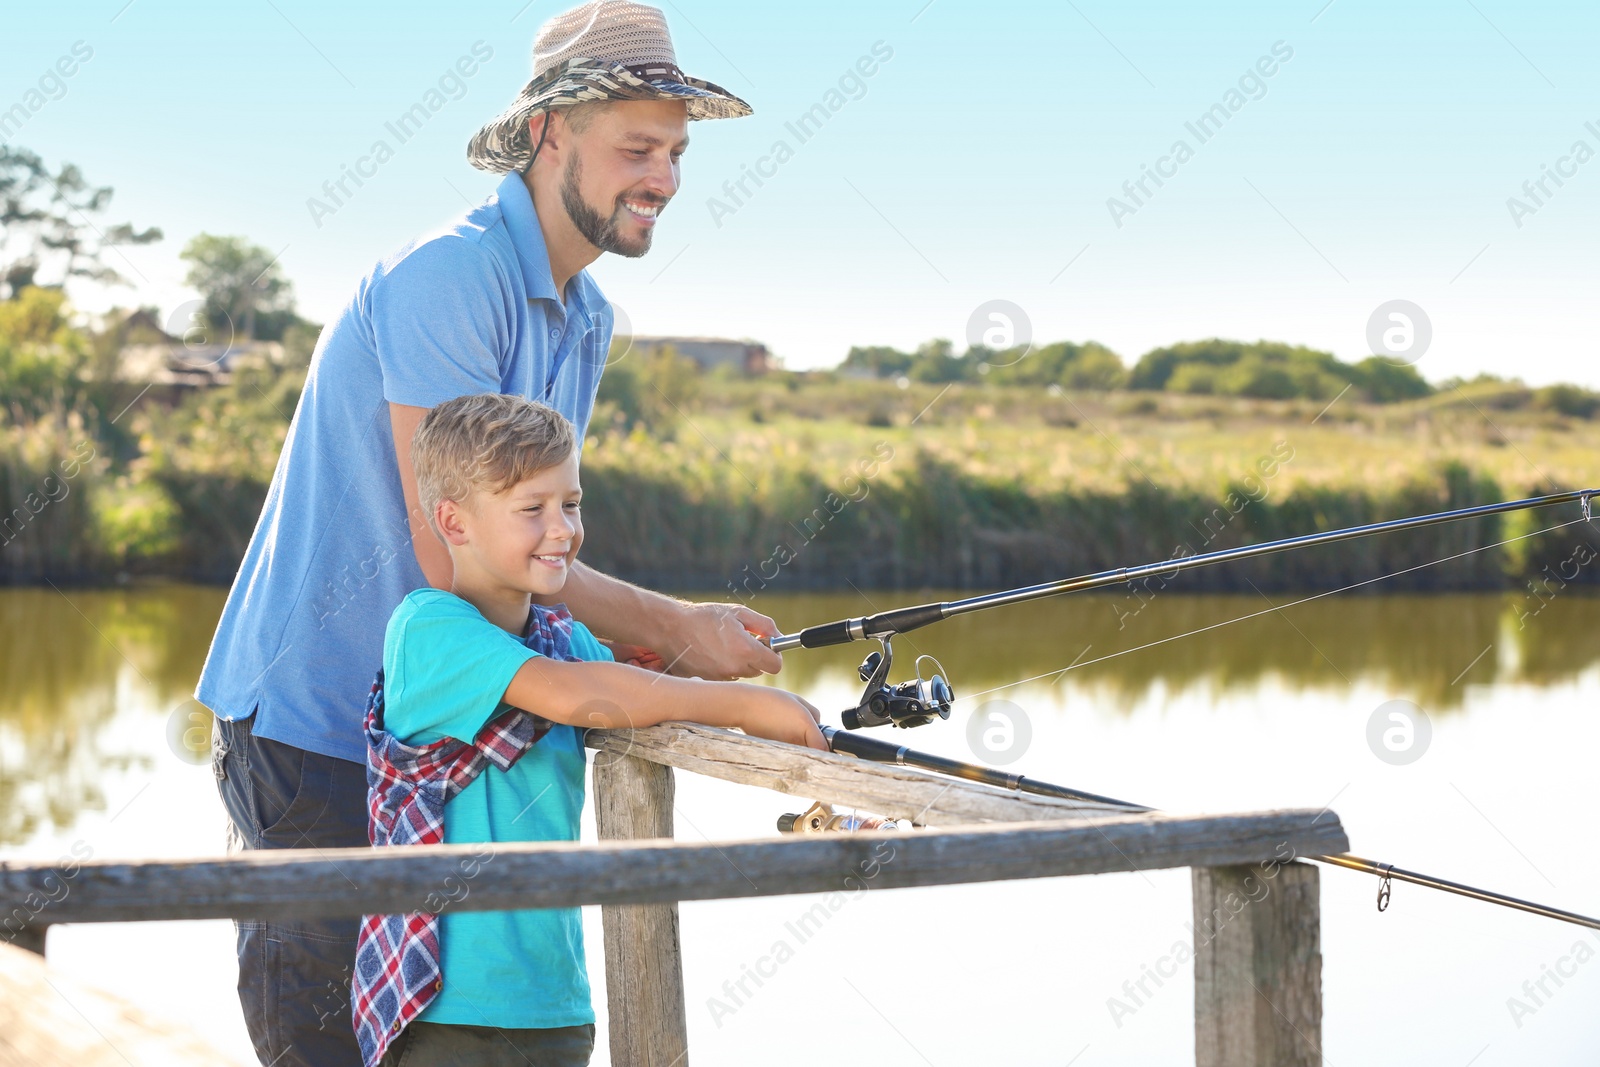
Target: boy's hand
x,y
636,655
780,716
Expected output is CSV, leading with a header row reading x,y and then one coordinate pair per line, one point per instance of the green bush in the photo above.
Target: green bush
x,y
1199,379
43,360
1386,382
652,390
136,523
1071,366
48,472
1270,370
1569,400
208,464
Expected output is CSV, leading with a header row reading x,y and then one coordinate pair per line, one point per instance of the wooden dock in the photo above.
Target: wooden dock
x,y
1258,996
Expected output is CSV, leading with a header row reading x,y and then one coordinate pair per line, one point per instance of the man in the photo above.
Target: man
x,y
495,301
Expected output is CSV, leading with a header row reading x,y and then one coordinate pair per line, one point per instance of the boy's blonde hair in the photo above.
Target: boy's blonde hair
x,y
485,442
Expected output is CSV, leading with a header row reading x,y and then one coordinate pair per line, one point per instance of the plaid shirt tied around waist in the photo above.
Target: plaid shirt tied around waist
x,y
398,968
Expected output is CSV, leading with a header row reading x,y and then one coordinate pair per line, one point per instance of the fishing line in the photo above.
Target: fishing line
x,y
871,748
1270,610
918,702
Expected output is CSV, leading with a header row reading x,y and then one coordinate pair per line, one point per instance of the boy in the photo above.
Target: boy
x,y
498,481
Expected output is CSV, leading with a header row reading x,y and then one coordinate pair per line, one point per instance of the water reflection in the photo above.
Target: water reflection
x,y
93,678
1428,648
74,662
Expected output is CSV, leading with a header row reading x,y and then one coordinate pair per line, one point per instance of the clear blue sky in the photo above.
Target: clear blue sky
x,y
1376,164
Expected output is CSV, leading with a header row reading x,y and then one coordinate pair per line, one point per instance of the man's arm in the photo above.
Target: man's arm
x,y
432,556
441,324
713,641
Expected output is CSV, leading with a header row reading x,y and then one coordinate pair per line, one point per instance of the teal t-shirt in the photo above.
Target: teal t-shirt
x,y
445,668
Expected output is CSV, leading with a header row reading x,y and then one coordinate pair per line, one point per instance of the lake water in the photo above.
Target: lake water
x,y
98,752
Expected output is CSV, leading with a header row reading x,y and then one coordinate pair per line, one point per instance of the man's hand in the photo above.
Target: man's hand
x,y
722,642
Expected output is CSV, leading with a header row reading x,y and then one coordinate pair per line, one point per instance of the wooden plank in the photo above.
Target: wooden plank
x,y
1257,966
346,882
648,1019
48,1020
883,789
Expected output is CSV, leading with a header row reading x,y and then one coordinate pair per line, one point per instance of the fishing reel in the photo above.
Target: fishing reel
x,y
905,704
820,818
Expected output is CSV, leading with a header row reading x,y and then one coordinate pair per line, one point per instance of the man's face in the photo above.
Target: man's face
x,y
622,171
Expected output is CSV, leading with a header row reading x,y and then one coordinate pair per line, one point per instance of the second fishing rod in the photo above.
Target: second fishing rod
x,y
878,751
921,701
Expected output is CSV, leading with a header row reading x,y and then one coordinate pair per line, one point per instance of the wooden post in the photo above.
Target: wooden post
x,y
644,968
1257,966
30,938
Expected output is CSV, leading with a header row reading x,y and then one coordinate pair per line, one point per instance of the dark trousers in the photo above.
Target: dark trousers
x,y
294,976
448,1045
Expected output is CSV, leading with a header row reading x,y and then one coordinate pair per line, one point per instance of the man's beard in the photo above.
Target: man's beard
x,y
598,230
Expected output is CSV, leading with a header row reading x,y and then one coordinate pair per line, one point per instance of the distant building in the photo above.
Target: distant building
x,y
141,327
750,357
148,353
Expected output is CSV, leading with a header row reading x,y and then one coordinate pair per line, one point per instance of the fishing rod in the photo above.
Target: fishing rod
x,y
871,748
920,701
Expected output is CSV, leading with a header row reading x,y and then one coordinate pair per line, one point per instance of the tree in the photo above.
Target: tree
x,y
241,284
1386,382
1090,365
652,389
880,360
936,362
46,229
1572,400
1271,370
42,358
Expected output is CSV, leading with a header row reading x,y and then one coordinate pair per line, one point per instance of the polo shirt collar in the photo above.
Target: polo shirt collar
x,y
516,207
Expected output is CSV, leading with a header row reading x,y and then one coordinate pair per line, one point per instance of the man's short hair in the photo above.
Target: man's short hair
x,y
485,442
581,115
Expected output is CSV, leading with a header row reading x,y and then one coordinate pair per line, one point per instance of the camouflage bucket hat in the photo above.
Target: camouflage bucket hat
x,y
602,50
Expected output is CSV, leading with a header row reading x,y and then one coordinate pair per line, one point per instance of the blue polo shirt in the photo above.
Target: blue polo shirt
x,y
469,307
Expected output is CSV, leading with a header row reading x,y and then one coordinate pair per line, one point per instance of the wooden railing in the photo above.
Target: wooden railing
x,y
1257,953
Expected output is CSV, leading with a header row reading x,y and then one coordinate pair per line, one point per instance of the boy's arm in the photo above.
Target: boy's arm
x,y
714,641
612,695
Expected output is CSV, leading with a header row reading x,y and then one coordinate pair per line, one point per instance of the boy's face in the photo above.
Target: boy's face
x,y
527,537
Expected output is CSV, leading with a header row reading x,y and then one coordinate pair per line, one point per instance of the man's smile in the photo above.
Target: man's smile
x,y
644,211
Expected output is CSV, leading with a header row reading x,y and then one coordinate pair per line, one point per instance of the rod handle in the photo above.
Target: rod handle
x,y
828,633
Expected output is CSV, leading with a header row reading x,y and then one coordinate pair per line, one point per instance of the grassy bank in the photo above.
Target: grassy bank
x,y
985,486
813,482
791,506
